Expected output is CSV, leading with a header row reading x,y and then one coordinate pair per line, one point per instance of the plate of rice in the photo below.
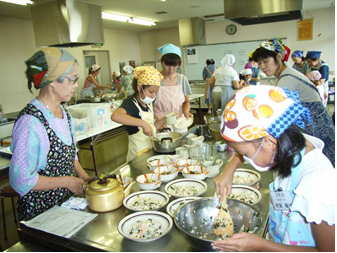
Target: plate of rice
x,y
146,201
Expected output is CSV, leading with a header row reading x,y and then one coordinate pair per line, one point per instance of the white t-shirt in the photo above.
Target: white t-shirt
x,y
315,192
306,93
225,77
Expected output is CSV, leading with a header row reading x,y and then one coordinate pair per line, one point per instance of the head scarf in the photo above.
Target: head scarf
x,y
257,111
117,74
228,61
297,53
250,55
94,68
314,75
128,69
46,65
169,49
147,75
313,54
246,72
274,45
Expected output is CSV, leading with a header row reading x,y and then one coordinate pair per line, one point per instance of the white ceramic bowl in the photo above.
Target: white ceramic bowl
x,y
182,164
167,173
246,177
246,194
159,162
195,172
146,201
176,204
148,181
125,225
186,187
221,146
176,158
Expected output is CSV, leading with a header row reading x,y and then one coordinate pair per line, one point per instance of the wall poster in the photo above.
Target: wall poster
x,y
304,29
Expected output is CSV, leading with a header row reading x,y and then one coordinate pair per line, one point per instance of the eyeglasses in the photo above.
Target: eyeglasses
x,y
74,80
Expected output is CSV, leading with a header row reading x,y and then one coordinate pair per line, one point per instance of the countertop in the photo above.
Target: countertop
x,y
101,234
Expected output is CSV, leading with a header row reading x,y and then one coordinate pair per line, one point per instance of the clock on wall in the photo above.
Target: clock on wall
x,y
231,29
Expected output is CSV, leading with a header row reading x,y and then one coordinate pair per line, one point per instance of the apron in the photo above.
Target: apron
x,y
128,91
60,162
287,227
255,74
169,99
139,141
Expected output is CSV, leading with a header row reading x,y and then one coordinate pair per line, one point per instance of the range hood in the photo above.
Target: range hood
x,y
67,23
192,31
252,12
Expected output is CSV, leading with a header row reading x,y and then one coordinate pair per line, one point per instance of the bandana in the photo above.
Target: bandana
x,y
147,75
228,61
257,111
47,65
297,53
128,69
274,45
94,67
169,49
313,54
314,75
246,72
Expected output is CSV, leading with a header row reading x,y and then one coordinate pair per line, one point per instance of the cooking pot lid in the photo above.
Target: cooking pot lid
x,y
111,183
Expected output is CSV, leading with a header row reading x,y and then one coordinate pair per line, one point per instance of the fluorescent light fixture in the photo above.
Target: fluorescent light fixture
x,y
141,22
21,2
122,18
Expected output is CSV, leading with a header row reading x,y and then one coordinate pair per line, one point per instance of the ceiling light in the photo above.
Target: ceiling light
x,y
141,22
122,18
21,2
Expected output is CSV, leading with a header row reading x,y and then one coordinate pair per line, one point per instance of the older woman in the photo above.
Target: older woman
x,y
300,64
262,124
173,95
224,80
44,168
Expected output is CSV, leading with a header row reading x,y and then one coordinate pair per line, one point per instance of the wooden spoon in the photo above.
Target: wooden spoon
x,y
223,223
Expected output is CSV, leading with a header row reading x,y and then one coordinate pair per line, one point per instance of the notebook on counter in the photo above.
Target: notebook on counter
x,y
6,152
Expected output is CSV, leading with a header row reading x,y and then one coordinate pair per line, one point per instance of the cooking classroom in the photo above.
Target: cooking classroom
x,y
167,125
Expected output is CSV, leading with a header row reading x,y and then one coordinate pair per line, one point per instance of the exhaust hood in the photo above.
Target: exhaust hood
x,y
192,31
252,12
67,23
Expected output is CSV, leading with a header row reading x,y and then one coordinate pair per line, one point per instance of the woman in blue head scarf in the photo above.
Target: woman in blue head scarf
x,y
300,64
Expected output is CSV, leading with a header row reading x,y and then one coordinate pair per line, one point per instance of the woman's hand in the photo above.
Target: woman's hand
x,y
188,115
225,179
75,184
239,242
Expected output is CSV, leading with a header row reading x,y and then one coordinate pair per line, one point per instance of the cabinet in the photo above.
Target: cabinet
x,y
331,93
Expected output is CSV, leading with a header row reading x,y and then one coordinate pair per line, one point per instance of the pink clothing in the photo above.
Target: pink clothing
x,y
169,99
87,82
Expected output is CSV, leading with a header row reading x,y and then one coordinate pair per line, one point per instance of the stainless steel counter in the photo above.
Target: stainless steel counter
x,y
101,234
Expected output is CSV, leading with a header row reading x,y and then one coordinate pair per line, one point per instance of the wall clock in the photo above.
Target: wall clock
x,y
231,29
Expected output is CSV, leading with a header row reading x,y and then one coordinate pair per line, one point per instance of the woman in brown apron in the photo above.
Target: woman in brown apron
x,y
207,73
44,168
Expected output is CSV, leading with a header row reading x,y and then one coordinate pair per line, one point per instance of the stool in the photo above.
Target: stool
x,y
8,192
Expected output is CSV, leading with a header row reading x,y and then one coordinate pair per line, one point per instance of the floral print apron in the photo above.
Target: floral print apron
x,y
60,162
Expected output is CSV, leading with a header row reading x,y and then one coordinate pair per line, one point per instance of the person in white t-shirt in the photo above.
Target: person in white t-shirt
x,y
225,80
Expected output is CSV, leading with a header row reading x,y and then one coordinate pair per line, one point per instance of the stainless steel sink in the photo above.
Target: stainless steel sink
x,y
199,130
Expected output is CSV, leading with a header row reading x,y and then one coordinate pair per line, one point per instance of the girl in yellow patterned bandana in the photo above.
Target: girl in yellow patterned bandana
x,y
136,113
263,124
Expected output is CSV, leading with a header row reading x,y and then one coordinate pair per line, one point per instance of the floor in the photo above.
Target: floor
x,y
12,233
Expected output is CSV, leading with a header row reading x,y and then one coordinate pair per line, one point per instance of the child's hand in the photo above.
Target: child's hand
x,y
147,129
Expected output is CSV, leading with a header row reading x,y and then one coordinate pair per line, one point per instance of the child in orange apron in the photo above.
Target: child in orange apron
x,y
136,112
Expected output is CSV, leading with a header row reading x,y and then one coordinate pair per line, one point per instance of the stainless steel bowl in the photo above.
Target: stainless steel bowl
x,y
195,220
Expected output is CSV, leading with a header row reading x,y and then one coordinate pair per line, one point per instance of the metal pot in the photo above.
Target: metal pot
x,y
106,193
166,142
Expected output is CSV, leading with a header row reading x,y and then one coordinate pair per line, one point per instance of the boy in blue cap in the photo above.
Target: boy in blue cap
x,y
314,61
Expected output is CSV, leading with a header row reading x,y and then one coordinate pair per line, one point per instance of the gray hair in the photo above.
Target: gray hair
x,y
70,69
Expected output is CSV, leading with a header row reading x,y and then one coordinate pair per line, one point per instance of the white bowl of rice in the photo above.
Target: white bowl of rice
x,y
186,188
167,173
146,201
145,226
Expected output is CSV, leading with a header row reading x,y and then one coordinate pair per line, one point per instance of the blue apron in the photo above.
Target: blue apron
x,y
289,227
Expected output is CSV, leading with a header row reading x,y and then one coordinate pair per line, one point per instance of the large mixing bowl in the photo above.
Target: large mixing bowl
x,y
195,220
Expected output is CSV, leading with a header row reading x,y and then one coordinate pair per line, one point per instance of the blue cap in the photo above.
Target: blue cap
x,y
313,54
169,49
297,53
